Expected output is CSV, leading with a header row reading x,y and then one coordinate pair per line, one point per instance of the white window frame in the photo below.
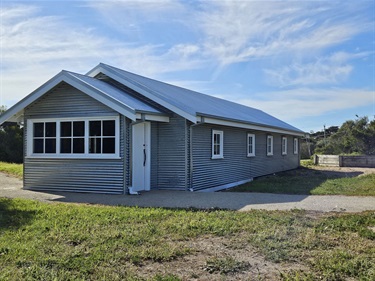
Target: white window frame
x,y
221,144
86,154
295,145
252,145
269,147
284,145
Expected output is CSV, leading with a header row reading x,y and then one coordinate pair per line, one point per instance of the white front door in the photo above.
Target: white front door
x,y
141,156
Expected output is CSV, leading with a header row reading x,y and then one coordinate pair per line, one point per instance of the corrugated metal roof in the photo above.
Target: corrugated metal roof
x,y
199,104
115,93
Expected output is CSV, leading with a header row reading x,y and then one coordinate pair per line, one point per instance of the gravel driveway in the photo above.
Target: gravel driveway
x,y
12,188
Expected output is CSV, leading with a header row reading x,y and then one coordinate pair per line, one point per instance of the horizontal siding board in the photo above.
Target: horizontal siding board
x,y
74,175
236,166
66,101
171,154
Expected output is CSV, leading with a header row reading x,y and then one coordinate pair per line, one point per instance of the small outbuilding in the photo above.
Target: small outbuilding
x,y
112,131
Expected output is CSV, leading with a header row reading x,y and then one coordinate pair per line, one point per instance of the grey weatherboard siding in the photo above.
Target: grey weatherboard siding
x,y
80,175
169,154
181,156
236,165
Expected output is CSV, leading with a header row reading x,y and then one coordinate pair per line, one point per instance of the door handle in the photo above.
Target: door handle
x,y
144,157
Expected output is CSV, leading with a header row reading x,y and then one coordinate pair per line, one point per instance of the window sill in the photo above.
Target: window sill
x,y
217,157
251,155
73,157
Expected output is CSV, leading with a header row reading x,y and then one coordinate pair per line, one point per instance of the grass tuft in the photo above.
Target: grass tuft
x,y
12,169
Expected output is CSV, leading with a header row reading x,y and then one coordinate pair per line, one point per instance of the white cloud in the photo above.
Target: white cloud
x,y
332,69
304,102
237,31
35,47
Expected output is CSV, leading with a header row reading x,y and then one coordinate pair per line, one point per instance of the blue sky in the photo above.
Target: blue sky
x,y
309,63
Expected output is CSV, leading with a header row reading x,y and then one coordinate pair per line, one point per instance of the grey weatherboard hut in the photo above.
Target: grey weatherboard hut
x,y
112,131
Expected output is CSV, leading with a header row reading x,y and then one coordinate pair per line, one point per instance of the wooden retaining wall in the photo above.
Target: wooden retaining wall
x,y
345,161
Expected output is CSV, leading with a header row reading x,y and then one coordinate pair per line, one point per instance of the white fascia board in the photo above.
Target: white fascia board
x,y
100,96
152,117
19,107
14,112
250,127
134,85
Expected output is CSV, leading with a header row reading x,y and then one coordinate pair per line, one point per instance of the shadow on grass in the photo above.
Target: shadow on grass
x,y
12,217
298,181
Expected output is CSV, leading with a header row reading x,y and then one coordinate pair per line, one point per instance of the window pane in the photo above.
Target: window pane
x,y
108,145
38,129
95,128
79,129
95,145
51,129
66,145
50,146
79,145
38,146
109,128
66,129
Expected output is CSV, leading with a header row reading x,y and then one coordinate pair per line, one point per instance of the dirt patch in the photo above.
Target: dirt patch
x,y
328,171
219,258
344,171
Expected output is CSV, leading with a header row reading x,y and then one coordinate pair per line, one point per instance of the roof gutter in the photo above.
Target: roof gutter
x,y
251,126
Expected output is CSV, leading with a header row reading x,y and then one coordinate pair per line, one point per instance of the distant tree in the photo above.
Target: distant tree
x,y
11,141
353,137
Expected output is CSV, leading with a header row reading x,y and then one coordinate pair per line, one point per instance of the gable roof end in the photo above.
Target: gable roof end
x,y
99,90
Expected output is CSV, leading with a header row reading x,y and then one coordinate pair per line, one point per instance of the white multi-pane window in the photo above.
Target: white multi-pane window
x,y
269,145
250,145
79,137
44,137
217,144
284,146
295,146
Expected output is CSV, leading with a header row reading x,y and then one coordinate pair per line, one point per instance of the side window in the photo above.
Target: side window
x,y
295,146
284,146
217,144
250,145
269,145
44,137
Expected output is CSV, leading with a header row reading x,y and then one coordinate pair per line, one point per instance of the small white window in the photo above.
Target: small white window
x,y
295,146
250,145
217,144
269,145
284,144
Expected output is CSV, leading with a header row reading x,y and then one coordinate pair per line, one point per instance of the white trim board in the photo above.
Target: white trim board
x,y
249,126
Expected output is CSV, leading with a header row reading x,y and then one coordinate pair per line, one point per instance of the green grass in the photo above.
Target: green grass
x,y
44,241
361,186
310,181
12,169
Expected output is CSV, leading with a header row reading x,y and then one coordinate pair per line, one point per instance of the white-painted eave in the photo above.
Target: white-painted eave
x,y
102,68
16,111
238,124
